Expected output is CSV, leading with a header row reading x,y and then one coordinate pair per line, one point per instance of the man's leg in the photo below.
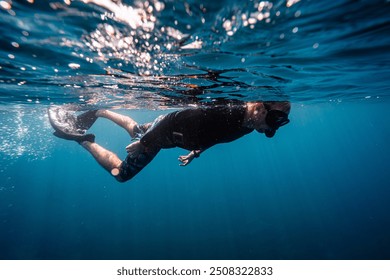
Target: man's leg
x,y
107,159
124,121
121,170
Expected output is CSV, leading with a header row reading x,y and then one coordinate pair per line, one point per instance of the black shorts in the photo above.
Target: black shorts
x,y
131,166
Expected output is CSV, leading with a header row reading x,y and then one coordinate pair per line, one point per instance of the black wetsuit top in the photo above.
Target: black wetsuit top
x,y
197,128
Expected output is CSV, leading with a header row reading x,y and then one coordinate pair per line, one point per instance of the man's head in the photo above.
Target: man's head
x,y
271,115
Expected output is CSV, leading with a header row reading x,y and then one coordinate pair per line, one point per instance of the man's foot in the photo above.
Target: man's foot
x,y
87,137
68,126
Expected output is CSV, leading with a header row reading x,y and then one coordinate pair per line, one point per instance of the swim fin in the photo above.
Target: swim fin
x,y
66,125
86,120
75,137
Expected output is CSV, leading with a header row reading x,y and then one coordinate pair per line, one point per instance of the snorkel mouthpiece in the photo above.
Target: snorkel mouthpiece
x,y
270,133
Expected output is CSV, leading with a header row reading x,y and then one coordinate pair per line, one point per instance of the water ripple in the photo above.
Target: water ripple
x,y
167,53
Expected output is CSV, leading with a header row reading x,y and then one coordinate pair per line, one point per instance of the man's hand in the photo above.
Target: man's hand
x,y
185,160
135,148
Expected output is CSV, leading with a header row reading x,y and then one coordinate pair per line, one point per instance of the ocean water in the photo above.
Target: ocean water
x,y
319,189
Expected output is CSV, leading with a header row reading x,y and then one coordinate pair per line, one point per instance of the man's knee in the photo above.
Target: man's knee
x,y
119,175
125,172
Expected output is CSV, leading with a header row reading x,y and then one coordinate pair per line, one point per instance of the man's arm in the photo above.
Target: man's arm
x,y
185,160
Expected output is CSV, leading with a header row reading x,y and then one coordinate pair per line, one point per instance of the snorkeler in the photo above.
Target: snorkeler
x,y
194,129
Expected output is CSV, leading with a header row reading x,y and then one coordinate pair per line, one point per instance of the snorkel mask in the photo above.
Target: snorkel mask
x,y
274,119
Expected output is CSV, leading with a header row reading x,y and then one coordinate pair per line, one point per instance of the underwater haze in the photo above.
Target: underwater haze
x,y
319,189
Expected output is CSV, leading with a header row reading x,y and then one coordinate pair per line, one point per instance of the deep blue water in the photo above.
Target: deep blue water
x,y
318,190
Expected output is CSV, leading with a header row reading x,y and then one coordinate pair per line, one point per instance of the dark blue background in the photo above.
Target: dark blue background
x,y
318,190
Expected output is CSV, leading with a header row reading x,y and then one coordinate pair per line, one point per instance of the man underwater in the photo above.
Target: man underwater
x,y
194,129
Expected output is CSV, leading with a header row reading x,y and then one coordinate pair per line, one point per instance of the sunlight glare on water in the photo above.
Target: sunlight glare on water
x,y
140,46
195,51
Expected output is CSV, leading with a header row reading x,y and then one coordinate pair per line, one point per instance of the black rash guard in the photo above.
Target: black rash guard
x,y
197,128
